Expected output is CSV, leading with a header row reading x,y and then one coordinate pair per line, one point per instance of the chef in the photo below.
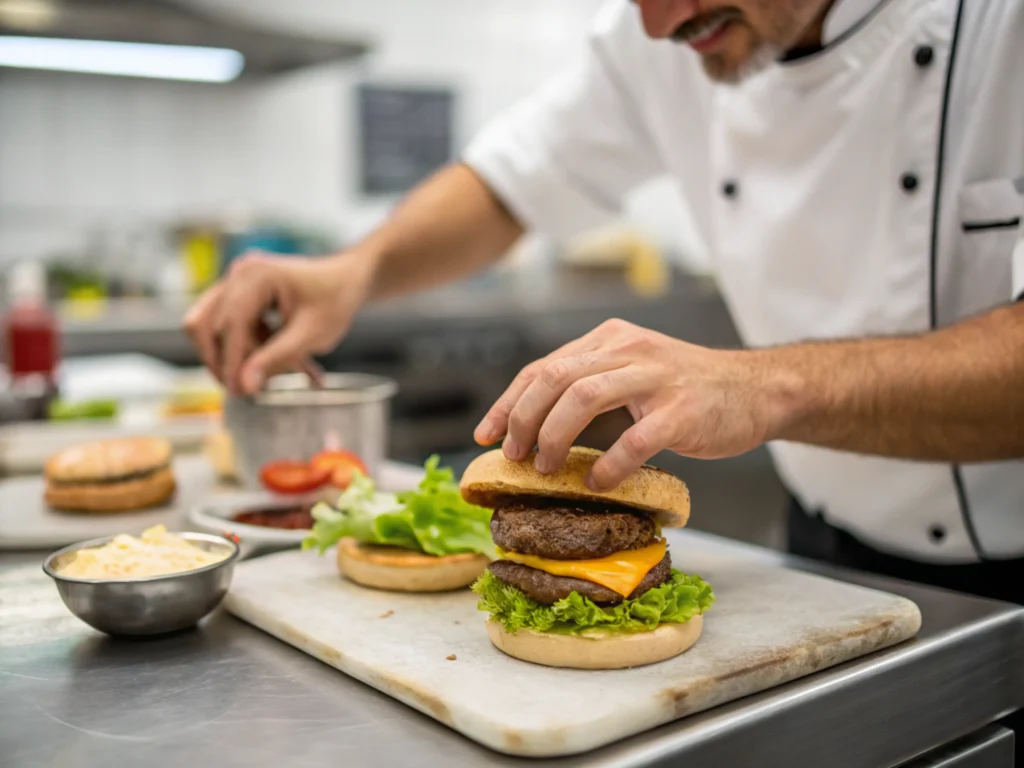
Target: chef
x,y
856,169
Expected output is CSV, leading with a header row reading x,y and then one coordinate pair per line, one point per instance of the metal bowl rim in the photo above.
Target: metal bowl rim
x,y
368,387
100,541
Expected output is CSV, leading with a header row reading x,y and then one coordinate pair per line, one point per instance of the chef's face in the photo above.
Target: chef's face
x,y
735,37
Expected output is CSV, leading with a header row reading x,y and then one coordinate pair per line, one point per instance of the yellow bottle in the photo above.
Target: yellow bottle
x,y
201,256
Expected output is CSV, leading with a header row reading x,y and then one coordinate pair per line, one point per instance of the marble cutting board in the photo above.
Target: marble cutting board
x,y
769,625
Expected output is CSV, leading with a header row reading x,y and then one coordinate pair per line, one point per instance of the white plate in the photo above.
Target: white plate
x,y
27,522
215,515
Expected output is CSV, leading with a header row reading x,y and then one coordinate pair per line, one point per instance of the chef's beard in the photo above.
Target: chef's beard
x,y
721,71
718,66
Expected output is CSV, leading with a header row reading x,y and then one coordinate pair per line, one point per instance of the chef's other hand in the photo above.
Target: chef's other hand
x,y
698,402
316,299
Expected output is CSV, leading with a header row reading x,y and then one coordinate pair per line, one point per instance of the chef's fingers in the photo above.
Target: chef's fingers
x,y
313,371
200,328
494,424
222,318
560,378
583,401
286,350
251,290
238,339
630,452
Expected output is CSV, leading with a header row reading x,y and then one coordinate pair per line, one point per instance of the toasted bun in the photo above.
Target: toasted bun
x,y
108,459
608,652
130,495
402,571
491,479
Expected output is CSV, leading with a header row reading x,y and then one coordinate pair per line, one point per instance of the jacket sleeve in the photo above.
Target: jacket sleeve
x,y
563,159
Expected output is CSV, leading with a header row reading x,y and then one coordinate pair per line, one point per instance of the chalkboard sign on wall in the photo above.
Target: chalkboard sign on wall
x,y
405,135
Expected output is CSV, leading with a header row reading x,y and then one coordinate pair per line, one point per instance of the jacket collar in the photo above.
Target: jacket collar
x,y
844,16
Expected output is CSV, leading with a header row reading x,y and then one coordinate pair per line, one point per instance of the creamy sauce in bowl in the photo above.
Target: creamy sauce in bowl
x,y
155,553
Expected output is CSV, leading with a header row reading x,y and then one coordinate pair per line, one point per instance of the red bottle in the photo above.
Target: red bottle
x,y
30,328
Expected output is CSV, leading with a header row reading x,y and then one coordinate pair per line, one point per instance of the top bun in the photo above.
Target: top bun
x,y
109,459
491,480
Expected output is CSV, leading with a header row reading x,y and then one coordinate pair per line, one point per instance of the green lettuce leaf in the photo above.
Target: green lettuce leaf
x,y
676,601
433,518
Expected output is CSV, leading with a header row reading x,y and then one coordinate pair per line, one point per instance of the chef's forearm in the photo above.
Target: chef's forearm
x,y
955,394
447,228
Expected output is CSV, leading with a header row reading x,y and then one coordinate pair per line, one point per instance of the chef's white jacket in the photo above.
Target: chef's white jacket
x,y
875,187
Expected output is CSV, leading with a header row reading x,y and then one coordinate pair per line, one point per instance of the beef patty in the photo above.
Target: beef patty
x,y
548,589
128,477
567,532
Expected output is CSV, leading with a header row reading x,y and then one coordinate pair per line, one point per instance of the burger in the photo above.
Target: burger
x,y
423,540
584,579
116,475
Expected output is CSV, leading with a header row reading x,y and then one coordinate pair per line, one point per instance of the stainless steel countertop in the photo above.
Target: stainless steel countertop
x,y
228,695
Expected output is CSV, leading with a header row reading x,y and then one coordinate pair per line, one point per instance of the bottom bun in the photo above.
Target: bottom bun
x,y
400,570
607,652
128,496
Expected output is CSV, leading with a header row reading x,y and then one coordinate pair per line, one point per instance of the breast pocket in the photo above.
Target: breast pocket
x,y
990,229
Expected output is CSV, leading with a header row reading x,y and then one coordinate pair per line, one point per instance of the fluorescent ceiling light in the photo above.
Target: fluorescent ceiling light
x,y
167,62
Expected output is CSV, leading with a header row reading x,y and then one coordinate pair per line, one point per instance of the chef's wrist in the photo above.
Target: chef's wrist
x,y
784,389
359,266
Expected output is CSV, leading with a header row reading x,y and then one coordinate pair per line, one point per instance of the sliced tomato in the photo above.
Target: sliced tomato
x,y
336,458
342,476
293,476
343,466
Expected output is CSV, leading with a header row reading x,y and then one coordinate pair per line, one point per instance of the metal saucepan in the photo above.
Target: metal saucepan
x,y
291,419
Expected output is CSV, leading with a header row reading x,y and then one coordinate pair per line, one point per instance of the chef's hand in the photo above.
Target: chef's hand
x,y
698,402
316,299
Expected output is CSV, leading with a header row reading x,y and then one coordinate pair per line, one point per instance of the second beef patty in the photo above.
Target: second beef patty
x,y
569,533
548,589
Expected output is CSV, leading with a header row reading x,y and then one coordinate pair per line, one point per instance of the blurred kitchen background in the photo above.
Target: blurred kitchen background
x,y
124,194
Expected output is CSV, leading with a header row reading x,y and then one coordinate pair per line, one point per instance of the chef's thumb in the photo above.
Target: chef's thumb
x,y
280,353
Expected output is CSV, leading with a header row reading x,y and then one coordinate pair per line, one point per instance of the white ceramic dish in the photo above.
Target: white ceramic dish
x,y
216,514
26,522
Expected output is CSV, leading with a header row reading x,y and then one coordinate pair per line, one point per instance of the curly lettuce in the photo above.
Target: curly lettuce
x,y
676,601
433,518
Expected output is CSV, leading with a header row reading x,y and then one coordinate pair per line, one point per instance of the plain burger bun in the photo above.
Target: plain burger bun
x,y
599,651
117,475
491,480
399,570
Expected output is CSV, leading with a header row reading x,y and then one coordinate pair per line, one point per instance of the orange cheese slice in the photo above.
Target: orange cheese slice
x,y
621,572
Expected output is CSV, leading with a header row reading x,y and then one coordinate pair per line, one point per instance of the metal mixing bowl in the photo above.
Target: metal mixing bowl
x,y
146,606
292,420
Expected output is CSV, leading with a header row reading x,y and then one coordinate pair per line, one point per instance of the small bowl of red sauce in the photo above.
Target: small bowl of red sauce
x,y
259,521
286,517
